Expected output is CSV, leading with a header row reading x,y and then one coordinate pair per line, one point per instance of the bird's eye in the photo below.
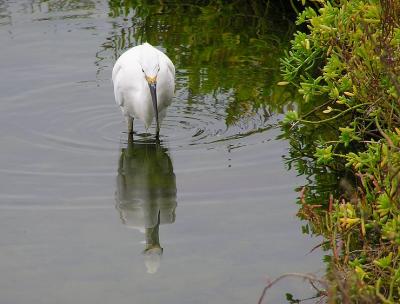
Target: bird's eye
x,y
142,70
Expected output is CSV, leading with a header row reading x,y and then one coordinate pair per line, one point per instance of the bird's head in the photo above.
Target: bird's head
x,y
149,60
150,67
151,74
150,71
151,80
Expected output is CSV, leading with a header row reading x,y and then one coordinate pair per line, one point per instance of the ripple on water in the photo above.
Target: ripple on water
x,y
80,119
72,127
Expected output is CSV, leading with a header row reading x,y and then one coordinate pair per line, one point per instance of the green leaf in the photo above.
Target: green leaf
x,y
324,155
347,135
384,262
290,116
384,205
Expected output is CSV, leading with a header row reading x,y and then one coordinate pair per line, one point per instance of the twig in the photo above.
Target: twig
x,y
389,141
333,117
309,277
318,246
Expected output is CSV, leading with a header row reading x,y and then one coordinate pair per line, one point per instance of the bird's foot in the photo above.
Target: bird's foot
x,y
130,125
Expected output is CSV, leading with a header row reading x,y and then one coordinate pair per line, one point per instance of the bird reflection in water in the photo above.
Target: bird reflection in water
x,y
146,193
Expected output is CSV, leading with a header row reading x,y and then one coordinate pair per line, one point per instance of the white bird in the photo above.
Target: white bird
x,y
144,84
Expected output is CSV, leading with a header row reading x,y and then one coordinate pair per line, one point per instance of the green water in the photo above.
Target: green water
x,y
87,216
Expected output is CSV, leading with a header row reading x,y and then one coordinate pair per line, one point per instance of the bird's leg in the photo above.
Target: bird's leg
x,y
130,138
130,125
157,130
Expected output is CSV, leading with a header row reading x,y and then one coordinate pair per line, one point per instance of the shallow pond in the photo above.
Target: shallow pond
x,y
84,212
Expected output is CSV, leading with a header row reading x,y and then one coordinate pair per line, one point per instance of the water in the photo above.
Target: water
x,y
88,216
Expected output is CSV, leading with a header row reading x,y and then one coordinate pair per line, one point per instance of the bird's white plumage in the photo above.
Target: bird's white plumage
x,y
131,88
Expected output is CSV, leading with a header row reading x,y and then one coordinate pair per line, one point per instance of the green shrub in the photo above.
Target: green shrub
x,y
345,65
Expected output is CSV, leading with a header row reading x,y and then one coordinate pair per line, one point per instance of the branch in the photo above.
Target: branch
x,y
311,278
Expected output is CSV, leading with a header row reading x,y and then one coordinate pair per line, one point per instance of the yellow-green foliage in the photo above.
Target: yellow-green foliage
x,y
351,57
346,66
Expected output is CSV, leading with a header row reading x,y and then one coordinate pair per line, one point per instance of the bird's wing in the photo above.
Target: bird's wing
x,y
116,74
170,65
168,61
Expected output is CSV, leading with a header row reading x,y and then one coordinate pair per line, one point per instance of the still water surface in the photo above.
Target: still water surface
x,y
88,216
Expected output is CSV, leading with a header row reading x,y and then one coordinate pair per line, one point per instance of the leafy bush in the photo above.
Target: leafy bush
x,y
346,67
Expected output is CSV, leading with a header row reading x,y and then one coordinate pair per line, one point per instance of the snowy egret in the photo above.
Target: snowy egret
x,y
144,83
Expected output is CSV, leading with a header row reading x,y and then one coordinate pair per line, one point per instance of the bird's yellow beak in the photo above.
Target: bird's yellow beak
x,y
151,80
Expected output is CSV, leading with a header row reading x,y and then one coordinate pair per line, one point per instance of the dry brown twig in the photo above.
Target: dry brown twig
x,y
310,277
